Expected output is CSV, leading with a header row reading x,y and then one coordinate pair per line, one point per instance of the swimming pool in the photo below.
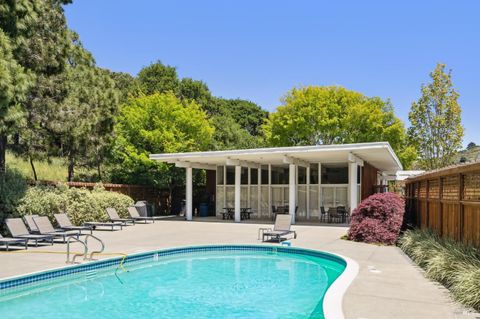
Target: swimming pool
x,y
191,282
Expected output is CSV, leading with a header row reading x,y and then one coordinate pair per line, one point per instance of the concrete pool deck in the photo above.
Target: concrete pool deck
x,y
387,286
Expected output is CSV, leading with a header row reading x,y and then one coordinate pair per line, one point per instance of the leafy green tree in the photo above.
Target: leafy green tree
x,y
126,84
159,123
14,83
158,78
334,115
436,124
230,135
195,90
247,114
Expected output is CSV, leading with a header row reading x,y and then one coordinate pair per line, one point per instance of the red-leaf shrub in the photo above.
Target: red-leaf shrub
x,y
377,219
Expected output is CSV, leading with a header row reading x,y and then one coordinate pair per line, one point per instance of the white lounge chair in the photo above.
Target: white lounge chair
x,y
281,228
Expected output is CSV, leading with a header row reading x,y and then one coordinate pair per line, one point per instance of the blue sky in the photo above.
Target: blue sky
x,y
258,50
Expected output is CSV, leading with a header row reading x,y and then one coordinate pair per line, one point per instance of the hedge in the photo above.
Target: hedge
x,y
80,204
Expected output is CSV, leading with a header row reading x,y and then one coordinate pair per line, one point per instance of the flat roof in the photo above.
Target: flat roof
x,y
378,154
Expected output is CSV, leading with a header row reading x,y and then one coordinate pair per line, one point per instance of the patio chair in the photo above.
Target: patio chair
x,y
281,228
323,214
45,227
30,223
9,241
64,222
17,229
132,210
112,225
113,216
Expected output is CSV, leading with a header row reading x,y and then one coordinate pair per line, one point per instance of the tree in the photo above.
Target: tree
x,y
126,84
14,83
334,115
83,122
195,90
471,146
158,78
436,129
247,114
39,36
230,135
159,123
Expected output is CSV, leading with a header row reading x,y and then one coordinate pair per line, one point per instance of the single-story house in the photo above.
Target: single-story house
x,y
306,179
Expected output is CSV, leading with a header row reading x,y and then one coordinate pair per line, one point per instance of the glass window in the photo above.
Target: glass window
x,y
219,175
230,175
314,173
302,175
334,174
280,174
265,174
244,176
253,176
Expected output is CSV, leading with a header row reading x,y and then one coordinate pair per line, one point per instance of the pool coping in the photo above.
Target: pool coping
x,y
332,302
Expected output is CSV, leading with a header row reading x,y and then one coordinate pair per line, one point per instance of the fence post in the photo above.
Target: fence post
x,y
440,205
460,205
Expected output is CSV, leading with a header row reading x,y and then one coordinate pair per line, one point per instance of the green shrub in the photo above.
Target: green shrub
x,y
81,205
112,199
455,265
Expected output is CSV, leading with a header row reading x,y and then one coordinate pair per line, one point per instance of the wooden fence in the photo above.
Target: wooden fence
x,y
447,201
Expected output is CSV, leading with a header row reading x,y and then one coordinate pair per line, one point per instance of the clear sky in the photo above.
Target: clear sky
x,y
259,49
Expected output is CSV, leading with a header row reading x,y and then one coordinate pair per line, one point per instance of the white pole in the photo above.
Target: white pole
x,y
308,192
238,175
249,183
189,194
352,185
259,191
270,190
291,195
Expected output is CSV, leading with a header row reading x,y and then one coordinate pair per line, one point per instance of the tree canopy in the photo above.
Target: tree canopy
x,y
332,115
158,123
436,129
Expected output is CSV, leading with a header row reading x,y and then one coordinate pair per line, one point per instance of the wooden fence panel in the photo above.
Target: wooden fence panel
x,y
447,201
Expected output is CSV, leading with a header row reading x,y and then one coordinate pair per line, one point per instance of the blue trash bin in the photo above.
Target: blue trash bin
x,y
203,211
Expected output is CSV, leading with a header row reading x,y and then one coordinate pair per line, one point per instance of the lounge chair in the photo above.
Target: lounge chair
x,y
45,227
64,222
28,219
95,225
113,215
17,229
281,228
132,210
9,241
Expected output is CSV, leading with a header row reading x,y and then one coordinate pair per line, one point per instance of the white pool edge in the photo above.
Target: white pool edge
x,y
333,300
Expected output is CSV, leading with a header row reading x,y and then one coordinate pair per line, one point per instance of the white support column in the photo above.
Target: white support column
x,y
292,188
249,176
189,194
352,185
320,195
270,190
259,192
308,192
238,175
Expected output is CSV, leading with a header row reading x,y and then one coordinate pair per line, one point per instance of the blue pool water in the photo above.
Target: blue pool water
x,y
215,284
